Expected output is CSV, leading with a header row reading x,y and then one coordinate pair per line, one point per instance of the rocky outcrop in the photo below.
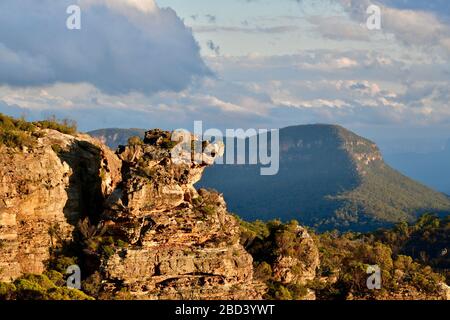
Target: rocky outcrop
x,y
182,244
301,268
176,242
44,190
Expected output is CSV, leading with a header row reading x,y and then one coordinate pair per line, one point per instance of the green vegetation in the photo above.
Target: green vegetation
x,y
277,291
96,241
387,195
92,284
268,241
17,133
345,259
168,144
61,262
64,126
207,202
48,286
426,241
412,258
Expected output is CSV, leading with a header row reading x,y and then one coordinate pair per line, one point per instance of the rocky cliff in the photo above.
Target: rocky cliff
x,y
44,191
135,216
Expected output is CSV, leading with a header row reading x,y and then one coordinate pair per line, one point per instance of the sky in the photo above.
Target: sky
x,y
232,64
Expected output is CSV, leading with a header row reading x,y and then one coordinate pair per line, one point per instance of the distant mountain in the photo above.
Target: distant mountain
x,y
115,137
329,178
432,169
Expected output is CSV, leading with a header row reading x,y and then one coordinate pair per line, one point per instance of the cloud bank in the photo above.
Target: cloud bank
x,y
123,46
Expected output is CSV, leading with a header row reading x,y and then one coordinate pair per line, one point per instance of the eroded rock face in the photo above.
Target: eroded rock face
x,y
177,242
183,243
33,196
44,190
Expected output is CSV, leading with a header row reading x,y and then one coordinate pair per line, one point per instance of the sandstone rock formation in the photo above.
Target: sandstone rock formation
x,y
182,243
44,190
176,242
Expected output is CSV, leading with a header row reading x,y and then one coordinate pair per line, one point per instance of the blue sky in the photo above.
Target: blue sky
x,y
233,63
243,27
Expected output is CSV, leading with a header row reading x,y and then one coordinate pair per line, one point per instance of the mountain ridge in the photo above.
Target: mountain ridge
x,y
349,176
329,177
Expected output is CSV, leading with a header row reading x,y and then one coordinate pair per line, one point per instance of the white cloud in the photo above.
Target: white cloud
x,y
329,64
350,86
145,6
446,44
122,46
419,28
414,27
339,28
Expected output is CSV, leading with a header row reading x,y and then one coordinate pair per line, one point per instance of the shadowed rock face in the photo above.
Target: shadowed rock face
x,y
44,191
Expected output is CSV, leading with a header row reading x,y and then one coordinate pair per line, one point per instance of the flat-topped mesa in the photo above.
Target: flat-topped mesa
x,y
181,243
